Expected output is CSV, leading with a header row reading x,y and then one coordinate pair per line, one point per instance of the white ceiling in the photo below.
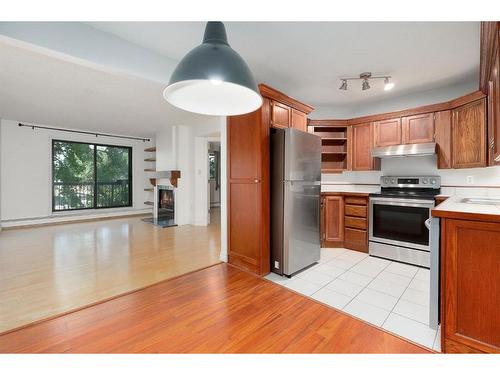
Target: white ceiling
x,y
305,59
37,88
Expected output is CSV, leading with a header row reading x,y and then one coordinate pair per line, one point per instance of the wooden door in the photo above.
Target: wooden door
x,y
248,190
332,210
469,135
280,115
361,147
442,124
418,128
299,120
387,132
471,286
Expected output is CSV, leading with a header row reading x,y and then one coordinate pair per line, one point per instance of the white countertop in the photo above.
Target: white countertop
x,y
338,188
454,204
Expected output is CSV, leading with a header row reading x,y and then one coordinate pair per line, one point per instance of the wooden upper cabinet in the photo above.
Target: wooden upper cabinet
x,y
442,124
418,128
332,223
469,135
280,115
387,132
361,147
299,120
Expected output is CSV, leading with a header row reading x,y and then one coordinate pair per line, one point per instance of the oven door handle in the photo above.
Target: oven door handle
x,y
403,202
428,223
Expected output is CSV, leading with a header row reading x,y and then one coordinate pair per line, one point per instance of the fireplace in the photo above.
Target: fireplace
x,y
164,207
166,204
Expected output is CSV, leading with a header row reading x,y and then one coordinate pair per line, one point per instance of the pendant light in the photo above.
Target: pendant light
x,y
212,79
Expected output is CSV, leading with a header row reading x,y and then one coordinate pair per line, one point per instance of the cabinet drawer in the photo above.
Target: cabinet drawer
x,y
359,211
356,239
355,200
355,222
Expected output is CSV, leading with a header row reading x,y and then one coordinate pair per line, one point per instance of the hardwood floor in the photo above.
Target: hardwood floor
x,y
216,310
49,270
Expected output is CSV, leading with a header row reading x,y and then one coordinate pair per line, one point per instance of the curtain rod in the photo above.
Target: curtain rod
x,y
84,132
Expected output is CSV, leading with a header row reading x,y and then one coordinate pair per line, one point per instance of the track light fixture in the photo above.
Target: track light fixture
x,y
365,77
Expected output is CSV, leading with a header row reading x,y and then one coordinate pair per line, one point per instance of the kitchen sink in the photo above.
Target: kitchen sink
x,y
492,201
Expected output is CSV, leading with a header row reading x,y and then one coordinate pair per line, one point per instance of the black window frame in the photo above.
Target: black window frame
x,y
95,207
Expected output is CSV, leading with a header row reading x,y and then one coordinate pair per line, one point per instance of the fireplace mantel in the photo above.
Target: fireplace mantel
x,y
171,175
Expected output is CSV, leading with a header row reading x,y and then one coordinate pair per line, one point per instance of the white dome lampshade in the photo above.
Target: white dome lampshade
x,y
212,79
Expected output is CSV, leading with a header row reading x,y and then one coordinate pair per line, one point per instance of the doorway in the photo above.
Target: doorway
x,y
214,182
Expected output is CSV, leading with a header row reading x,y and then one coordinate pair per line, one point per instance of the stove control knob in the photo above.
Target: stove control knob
x,y
393,181
386,180
425,181
433,181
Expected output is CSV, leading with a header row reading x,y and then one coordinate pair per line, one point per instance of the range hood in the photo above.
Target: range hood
x,y
417,149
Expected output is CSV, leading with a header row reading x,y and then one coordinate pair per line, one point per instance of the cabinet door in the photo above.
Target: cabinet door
x,y
469,135
471,286
442,123
333,220
418,128
299,120
387,132
280,115
248,190
361,147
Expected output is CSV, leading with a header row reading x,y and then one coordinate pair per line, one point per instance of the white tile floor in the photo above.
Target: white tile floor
x,y
391,295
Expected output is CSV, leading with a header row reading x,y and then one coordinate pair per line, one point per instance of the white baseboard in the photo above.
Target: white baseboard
x,y
68,218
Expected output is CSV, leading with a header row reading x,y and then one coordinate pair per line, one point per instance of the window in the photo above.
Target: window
x,y
89,175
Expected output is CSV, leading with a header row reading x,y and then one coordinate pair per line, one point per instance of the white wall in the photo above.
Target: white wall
x,y
191,148
397,103
454,181
26,173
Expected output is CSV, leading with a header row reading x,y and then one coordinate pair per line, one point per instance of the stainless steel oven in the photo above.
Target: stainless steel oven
x,y
398,222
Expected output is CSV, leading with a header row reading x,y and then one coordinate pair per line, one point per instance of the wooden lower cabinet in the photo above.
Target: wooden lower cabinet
x,y
332,220
470,286
344,221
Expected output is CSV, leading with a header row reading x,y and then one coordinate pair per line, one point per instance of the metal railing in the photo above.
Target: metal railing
x,y
80,195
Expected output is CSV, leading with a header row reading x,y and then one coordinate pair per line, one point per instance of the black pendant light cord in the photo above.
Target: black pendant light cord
x,y
84,132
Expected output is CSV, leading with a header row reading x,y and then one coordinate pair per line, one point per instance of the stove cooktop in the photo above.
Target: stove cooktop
x,y
409,187
407,193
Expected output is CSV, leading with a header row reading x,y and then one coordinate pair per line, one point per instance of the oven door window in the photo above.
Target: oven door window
x,y
398,223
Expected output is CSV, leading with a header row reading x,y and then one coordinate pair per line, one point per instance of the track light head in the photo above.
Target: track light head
x,y
366,84
343,86
387,84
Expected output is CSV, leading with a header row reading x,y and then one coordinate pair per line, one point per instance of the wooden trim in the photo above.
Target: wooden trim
x,y
274,94
489,46
466,99
327,122
469,98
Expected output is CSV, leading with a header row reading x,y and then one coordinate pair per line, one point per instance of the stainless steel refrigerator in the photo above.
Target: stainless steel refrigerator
x,y
295,200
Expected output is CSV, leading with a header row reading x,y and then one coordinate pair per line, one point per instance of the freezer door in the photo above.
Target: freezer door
x,y
302,156
301,225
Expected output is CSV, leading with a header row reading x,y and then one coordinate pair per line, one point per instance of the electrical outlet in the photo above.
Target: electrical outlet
x,y
276,264
470,180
